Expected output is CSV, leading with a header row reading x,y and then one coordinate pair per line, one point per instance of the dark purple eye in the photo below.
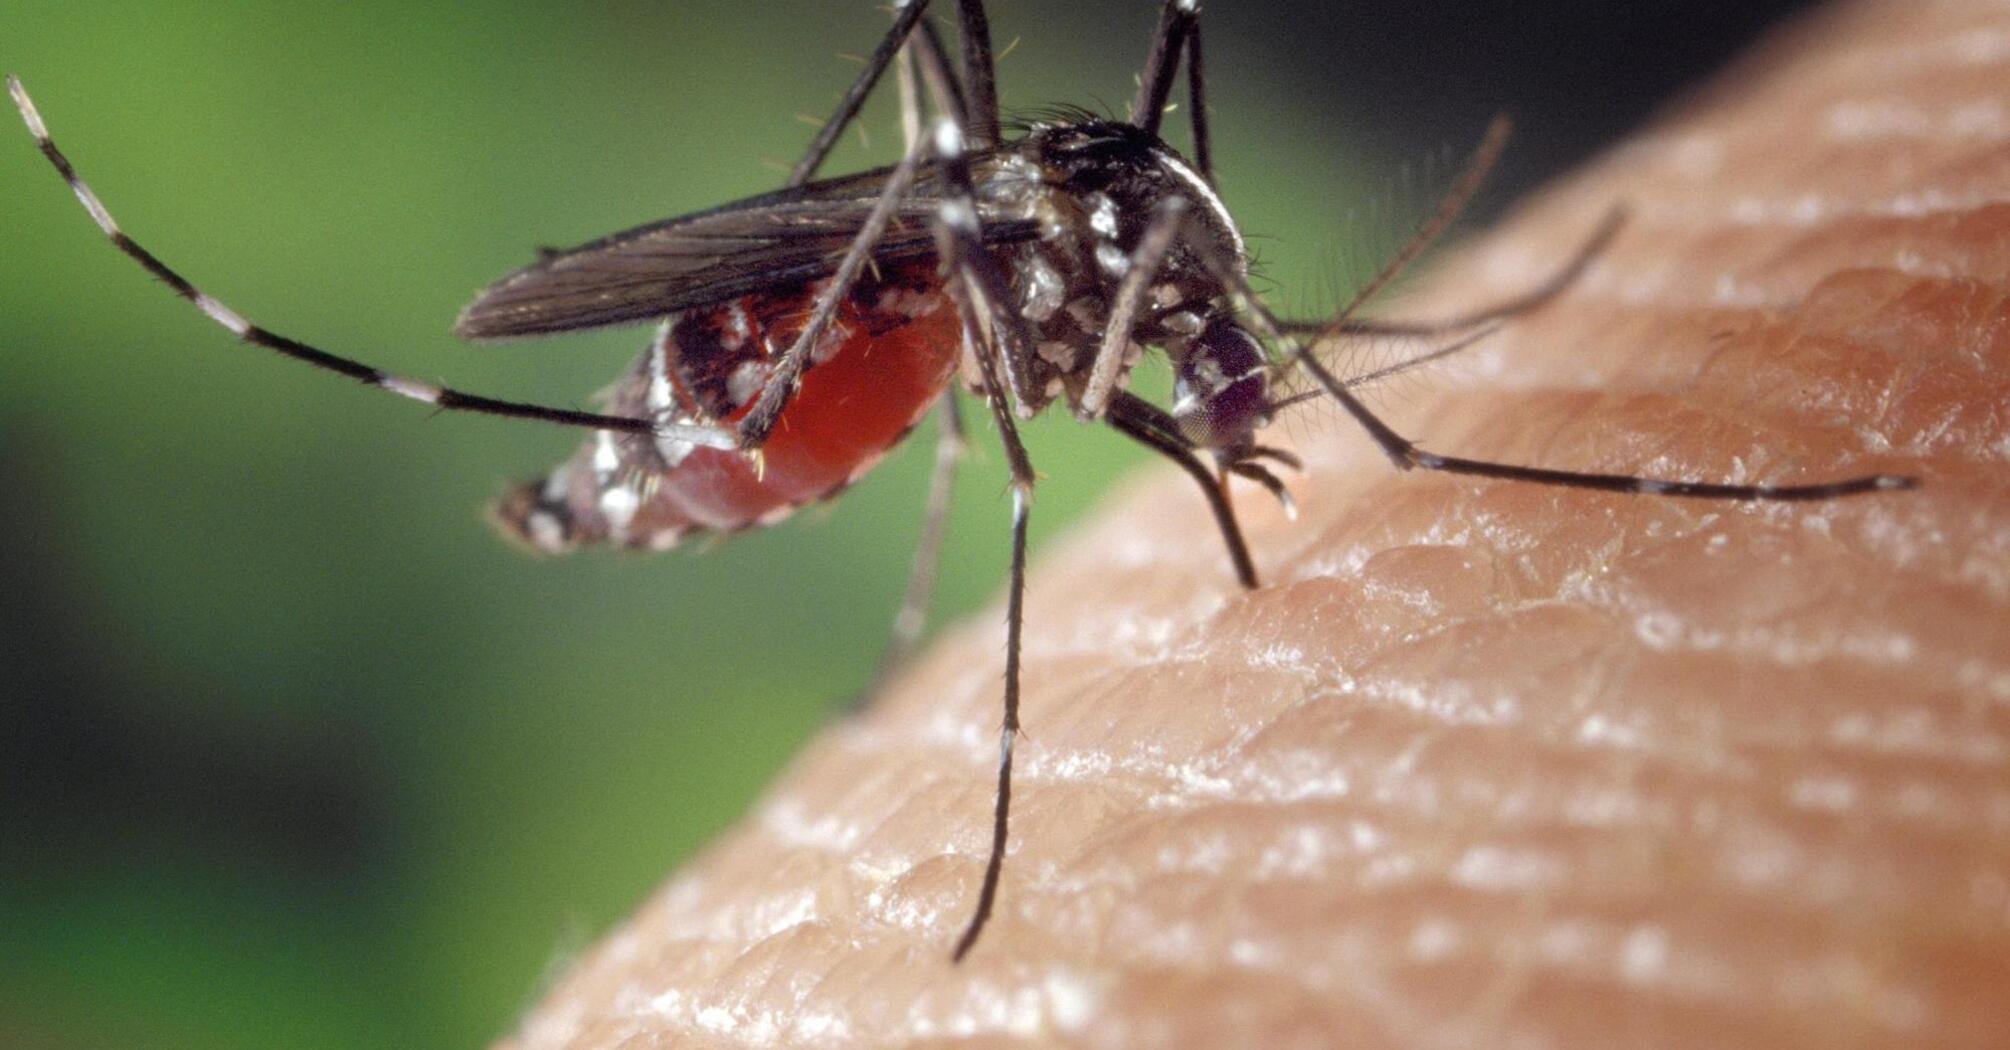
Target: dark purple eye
x,y
1219,388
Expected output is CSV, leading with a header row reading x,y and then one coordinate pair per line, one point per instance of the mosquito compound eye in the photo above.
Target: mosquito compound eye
x,y
1219,389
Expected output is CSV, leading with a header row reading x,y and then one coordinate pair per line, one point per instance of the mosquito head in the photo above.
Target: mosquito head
x,y
1220,388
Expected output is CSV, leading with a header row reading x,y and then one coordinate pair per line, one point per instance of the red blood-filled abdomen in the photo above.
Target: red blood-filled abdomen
x,y
890,353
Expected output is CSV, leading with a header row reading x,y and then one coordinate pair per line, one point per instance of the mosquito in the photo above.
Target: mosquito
x,y
801,334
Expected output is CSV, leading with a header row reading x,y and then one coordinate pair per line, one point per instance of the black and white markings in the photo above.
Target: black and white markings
x,y
233,322
1047,264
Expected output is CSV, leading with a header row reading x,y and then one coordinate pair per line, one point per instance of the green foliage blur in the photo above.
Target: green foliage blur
x,y
298,753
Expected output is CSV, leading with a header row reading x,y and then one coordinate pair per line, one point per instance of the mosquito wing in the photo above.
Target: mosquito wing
x,y
782,238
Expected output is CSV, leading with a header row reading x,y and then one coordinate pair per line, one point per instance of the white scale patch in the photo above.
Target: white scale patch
x,y
1044,290
661,397
618,505
738,327
1103,219
606,455
958,215
1207,195
1112,259
229,318
411,388
545,531
27,107
673,450
746,382
903,301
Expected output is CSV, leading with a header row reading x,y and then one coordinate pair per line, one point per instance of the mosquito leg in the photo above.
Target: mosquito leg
x,y
984,271
1015,602
781,384
1145,423
230,320
1527,302
1196,99
981,270
907,82
980,280
1406,455
949,448
1008,730
989,324
1176,19
938,76
905,15
1145,261
1179,27
980,76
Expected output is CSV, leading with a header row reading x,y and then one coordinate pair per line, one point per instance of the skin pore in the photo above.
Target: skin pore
x,y
1486,764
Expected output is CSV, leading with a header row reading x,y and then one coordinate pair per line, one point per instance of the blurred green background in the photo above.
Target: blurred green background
x,y
294,752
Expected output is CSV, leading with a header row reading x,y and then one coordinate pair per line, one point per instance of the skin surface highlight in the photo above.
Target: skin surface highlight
x,y
1482,763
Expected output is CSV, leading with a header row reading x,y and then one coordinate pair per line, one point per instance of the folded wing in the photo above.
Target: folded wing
x,y
782,238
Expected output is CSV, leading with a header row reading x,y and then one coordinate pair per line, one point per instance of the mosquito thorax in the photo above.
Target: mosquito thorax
x,y
1095,186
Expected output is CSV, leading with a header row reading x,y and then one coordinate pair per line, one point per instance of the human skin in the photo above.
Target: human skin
x,y
1485,763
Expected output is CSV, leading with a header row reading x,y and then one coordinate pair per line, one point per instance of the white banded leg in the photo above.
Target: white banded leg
x,y
961,238
444,398
1405,454
991,329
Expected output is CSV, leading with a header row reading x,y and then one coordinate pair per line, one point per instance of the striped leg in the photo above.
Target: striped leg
x,y
440,397
978,283
1406,455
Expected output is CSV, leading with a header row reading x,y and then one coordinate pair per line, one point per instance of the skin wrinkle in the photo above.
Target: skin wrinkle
x,y
1484,764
